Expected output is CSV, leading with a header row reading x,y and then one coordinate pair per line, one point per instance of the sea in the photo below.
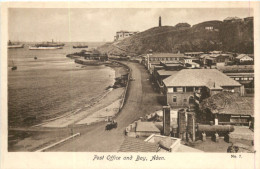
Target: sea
x,y
51,85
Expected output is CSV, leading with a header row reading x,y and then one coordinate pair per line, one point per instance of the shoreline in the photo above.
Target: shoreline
x,y
106,102
108,105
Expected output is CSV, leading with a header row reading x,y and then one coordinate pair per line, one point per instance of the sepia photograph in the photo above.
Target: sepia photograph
x,y
130,80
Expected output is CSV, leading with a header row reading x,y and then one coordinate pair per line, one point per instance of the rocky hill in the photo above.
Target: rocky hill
x,y
206,36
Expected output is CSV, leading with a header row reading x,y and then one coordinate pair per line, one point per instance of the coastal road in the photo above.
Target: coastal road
x,y
141,100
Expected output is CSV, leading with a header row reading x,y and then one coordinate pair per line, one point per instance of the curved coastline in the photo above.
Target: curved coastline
x,y
106,105
36,132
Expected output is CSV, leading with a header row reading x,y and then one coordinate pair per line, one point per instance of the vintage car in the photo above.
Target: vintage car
x,y
111,125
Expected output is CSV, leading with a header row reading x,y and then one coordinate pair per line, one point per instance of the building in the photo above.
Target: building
x,y
155,143
124,34
209,28
160,75
246,79
156,58
193,85
217,59
192,65
232,19
166,69
244,58
227,108
194,54
172,65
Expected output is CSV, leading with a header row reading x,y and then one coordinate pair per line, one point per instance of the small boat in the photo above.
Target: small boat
x,y
81,46
12,45
14,67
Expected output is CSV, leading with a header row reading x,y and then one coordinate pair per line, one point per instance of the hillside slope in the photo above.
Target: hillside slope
x,y
231,37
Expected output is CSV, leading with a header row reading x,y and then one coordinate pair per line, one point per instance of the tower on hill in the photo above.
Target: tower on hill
x,y
160,21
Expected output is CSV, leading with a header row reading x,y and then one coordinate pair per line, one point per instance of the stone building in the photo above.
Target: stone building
x,y
193,85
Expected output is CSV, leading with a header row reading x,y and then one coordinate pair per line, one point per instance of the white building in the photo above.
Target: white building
x,y
244,58
123,34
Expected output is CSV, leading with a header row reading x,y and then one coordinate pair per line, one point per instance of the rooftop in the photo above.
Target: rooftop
x,y
124,31
166,72
155,143
137,145
146,126
241,56
170,144
190,53
200,77
241,74
174,55
171,62
229,103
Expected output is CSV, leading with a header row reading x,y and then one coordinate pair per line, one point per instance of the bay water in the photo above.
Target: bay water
x,y
51,85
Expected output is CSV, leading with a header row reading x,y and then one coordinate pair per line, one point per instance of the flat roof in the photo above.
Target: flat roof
x,y
166,72
146,127
173,55
240,74
193,52
200,77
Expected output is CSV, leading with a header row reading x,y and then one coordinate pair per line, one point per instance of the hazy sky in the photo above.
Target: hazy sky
x,y
34,24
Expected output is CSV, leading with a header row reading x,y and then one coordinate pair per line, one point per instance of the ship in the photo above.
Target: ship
x,y
12,45
81,46
46,46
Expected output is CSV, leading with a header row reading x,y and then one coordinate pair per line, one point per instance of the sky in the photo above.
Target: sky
x,y
101,24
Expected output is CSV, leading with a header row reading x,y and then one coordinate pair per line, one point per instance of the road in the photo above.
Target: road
x,y
141,100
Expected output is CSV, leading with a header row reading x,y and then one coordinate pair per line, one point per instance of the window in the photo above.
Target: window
x,y
191,100
237,78
250,78
189,89
179,89
174,99
175,89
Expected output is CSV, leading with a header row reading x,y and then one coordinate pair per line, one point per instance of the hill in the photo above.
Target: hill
x,y
206,36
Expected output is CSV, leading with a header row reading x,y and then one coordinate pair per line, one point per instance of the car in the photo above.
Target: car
x,y
111,125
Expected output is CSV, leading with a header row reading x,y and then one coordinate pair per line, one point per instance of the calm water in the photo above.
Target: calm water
x,y
51,85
